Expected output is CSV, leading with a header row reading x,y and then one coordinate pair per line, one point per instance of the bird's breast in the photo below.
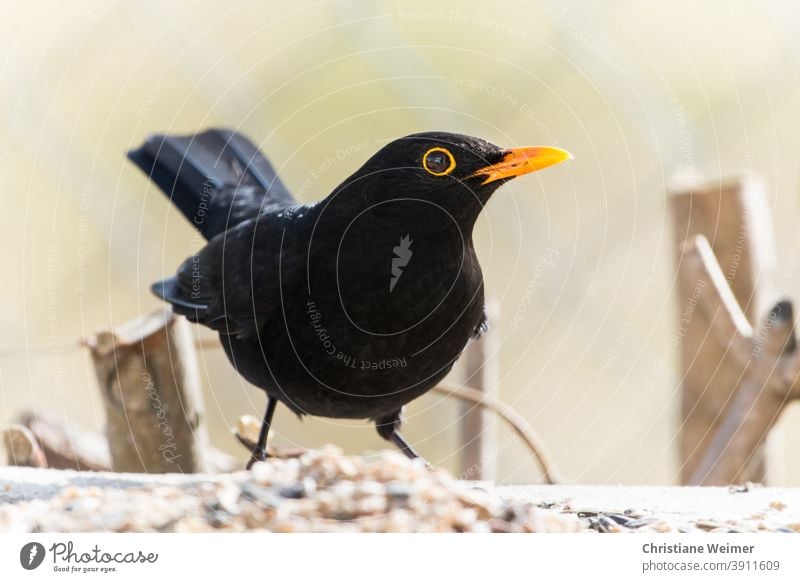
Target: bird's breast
x,y
366,324
395,298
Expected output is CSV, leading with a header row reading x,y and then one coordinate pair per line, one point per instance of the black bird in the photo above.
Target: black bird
x,y
349,307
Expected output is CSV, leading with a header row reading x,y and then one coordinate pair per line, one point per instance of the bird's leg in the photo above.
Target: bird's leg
x,y
260,452
403,445
389,428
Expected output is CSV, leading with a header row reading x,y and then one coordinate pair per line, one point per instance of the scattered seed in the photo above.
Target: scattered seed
x,y
618,518
641,522
709,525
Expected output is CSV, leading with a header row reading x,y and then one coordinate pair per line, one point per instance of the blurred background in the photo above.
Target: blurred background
x,y
579,259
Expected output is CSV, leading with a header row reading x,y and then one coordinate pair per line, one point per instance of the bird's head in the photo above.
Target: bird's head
x,y
421,176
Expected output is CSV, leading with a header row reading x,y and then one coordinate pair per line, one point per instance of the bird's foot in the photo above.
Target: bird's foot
x,y
257,456
407,449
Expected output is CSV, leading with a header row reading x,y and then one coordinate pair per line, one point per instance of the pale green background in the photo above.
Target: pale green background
x,y
637,91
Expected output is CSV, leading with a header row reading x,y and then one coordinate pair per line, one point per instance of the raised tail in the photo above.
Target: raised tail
x,y
217,178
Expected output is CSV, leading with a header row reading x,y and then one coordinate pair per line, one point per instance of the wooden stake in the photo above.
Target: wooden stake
x,y
765,360
736,379
148,375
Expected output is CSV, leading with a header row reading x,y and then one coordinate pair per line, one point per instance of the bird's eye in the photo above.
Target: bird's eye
x,y
438,161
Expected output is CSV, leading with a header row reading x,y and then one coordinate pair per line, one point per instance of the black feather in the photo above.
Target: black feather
x,y
217,178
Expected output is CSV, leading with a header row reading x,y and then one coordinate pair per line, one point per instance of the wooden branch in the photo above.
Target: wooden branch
x,y
518,424
247,428
22,450
67,446
246,432
148,375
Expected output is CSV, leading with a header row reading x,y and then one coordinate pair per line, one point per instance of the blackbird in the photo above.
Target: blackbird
x,y
350,307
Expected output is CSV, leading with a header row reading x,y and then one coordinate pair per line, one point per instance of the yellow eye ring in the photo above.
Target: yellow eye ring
x,y
450,167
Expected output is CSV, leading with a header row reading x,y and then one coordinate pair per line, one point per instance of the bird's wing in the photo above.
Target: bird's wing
x,y
217,178
233,284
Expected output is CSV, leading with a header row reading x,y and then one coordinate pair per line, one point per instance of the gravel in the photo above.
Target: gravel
x,y
326,491
321,491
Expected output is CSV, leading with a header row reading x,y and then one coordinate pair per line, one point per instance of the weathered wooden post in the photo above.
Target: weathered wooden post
x,y
736,379
148,375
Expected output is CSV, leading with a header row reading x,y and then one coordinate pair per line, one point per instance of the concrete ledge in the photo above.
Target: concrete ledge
x,y
26,492
672,508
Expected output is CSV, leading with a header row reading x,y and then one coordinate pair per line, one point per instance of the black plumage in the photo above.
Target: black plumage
x,y
350,307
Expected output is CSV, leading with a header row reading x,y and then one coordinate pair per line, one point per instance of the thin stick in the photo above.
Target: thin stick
x,y
518,424
729,321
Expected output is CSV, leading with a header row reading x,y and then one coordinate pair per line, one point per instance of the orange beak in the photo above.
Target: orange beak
x,y
519,161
